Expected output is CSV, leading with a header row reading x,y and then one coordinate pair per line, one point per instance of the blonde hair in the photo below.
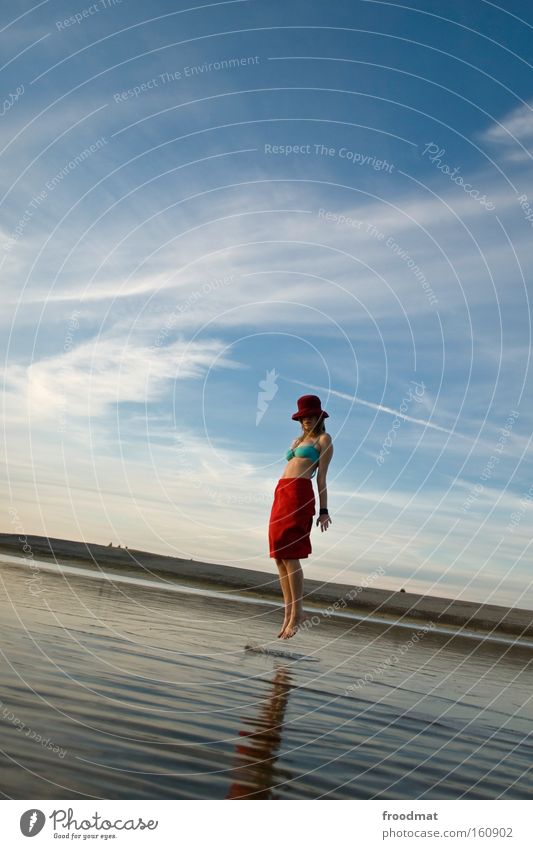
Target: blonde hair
x,y
318,428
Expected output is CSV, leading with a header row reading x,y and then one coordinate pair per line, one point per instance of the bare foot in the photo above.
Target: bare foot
x,y
292,627
290,630
285,623
286,619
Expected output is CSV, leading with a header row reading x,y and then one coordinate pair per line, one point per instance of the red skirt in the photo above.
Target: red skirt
x,y
291,519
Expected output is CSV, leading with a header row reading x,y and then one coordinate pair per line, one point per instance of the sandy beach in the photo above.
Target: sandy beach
x,y
393,606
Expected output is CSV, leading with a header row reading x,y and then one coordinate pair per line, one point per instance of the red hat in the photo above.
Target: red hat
x,y
309,405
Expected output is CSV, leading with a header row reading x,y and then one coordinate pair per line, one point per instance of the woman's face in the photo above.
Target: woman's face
x,y
309,422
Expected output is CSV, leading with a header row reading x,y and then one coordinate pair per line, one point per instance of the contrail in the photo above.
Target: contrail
x,y
379,407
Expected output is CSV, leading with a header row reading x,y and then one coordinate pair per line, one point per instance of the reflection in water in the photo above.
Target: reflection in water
x,y
148,689
255,770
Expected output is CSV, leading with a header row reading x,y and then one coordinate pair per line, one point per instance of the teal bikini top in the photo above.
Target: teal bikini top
x,y
309,451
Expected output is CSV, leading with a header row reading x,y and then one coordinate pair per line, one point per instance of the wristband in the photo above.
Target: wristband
x,y
324,511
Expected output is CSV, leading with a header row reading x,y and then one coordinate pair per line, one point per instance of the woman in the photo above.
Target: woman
x,y
291,517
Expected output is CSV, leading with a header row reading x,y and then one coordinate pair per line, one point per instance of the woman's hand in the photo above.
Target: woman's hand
x,y
324,521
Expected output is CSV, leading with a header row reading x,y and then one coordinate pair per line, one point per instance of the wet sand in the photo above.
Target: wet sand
x,y
133,687
393,605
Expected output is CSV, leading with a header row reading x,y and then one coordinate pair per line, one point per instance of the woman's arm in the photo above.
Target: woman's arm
x,y
326,453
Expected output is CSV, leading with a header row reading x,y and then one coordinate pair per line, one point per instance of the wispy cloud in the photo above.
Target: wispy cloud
x,y
94,376
513,133
381,408
163,365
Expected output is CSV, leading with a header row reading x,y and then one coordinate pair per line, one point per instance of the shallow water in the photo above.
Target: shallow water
x,y
141,691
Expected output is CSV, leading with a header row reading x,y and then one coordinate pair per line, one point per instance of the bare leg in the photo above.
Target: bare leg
x,y
296,584
286,590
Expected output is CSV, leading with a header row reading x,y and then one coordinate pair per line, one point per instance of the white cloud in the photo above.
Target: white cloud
x,y
90,377
107,480
513,133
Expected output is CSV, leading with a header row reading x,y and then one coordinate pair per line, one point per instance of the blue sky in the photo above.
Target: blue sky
x,y
205,203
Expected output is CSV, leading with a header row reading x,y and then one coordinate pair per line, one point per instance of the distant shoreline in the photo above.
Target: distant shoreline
x,y
486,619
